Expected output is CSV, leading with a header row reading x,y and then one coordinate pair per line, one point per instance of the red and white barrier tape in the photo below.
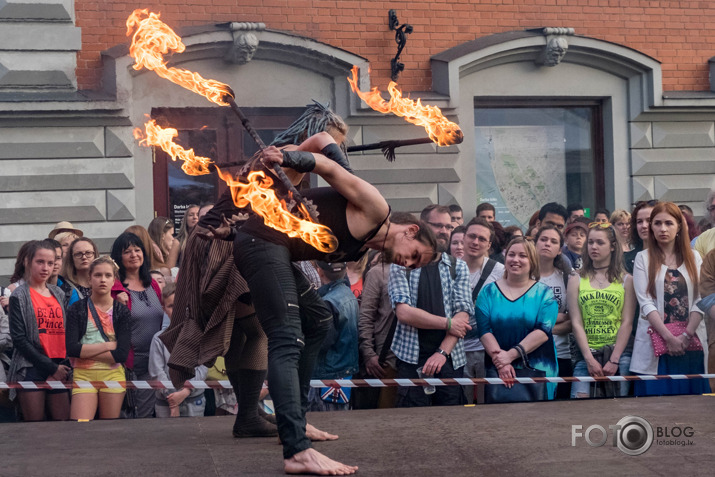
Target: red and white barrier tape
x,y
345,383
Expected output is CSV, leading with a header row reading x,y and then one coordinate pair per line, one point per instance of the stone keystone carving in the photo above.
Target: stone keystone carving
x,y
245,42
556,46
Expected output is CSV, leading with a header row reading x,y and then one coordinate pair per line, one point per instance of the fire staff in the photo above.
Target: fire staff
x,y
291,313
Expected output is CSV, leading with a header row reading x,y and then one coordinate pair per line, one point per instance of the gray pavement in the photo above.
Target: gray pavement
x,y
509,439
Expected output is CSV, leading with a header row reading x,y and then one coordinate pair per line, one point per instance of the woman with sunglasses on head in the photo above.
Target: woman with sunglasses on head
x,y
601,305
75,269
516,315
188,224
147,312
555,272
97,338
37,312
666,278
161,231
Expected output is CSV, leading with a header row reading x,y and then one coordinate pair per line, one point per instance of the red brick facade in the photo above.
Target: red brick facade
x,y
681,35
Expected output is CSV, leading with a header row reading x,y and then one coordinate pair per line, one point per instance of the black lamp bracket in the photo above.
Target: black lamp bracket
x,y
401,32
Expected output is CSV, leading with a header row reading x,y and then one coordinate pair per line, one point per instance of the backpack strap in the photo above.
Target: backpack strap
x,y
97,321
483,278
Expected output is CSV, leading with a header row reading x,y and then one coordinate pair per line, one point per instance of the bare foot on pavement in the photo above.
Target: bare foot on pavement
x,y
310,461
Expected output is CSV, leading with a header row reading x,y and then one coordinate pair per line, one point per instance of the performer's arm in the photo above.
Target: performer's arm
x,y
361,195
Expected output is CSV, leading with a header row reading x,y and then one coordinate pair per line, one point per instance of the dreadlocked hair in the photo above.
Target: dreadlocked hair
x,y
316,118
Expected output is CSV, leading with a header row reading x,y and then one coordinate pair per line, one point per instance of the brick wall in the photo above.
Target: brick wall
x,y
680,34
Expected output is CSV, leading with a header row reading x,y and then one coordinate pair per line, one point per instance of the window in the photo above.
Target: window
x,y
531,153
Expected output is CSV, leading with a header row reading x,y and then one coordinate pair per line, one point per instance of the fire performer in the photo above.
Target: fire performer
x,y
292,314
213,315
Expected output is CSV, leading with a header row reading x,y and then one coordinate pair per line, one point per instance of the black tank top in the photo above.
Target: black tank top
x,y
331,213
224,206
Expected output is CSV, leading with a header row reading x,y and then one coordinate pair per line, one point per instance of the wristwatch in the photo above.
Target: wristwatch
x,y
443,352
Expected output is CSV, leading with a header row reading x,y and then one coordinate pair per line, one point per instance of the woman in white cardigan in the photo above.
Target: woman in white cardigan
x,y
666,283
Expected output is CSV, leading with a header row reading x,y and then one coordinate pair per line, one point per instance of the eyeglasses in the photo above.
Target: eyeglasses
x,y
600,225
80,255
478,238
447,227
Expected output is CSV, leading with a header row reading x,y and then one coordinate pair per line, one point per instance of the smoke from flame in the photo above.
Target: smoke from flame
x,y
257,191
151,40
440,130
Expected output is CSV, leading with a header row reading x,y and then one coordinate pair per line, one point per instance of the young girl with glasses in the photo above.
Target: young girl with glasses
x,y
76,267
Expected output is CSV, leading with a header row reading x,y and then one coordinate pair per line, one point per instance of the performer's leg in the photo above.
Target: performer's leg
x,y
246,362
267,269
316,319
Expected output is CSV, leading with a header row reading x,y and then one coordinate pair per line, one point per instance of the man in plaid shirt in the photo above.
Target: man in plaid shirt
x,y
434,309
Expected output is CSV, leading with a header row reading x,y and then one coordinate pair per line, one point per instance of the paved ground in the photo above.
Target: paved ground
x,y
508,439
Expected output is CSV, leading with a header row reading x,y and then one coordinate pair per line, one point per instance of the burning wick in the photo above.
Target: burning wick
x,y
155,135
152,40
256,191
440,129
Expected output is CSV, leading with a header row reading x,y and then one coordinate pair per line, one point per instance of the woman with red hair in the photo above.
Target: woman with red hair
x,y
670,336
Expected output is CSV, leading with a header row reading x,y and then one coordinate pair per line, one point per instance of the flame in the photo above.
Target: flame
x,y
155,135
265,203
440,130
256,191
152,40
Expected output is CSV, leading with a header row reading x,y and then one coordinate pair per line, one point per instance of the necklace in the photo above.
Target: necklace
x,y
514,295
601,268
601,281
387,232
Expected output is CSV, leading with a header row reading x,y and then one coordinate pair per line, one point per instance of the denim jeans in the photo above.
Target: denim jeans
x,y
295,320
581,369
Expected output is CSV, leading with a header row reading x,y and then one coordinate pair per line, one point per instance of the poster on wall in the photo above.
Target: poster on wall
x,y
186,190
520,168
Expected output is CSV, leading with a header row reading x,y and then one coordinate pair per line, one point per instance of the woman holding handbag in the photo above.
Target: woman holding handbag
x,y
601,304
671,331
515,316
97,337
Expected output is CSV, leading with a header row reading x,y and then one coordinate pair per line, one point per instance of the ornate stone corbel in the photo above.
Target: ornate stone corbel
x,y
245,42
556,46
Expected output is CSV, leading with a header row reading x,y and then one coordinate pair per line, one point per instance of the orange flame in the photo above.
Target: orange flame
x,y
152,40
256,192
155,135
265,203
440,130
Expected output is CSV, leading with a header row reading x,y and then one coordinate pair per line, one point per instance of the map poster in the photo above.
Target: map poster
x,y
519,169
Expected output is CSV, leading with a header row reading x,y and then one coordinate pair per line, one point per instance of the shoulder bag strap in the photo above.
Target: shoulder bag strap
x,y
97,321
483,277
388,341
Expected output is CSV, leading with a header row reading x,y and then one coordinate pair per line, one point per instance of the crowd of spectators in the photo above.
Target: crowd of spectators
x,y
622,293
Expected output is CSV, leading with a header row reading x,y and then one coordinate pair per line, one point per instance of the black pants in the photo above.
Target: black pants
x,y
295,320
416,397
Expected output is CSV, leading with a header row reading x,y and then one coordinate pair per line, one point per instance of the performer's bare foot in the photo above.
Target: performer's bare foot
x,y
310,461
315,434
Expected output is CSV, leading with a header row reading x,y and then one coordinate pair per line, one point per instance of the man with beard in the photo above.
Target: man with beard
x,y
434,311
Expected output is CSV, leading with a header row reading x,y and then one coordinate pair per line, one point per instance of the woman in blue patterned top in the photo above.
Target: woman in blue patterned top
x,y
517,310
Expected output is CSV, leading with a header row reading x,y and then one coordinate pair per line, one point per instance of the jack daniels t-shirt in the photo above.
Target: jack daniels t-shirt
x,y
50,324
